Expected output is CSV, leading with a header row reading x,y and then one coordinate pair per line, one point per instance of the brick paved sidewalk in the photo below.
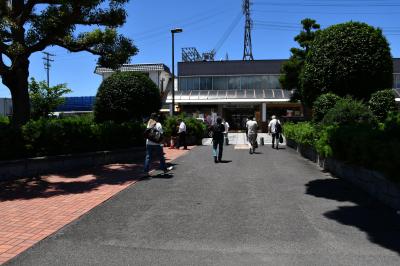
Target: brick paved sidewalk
x,y
32,209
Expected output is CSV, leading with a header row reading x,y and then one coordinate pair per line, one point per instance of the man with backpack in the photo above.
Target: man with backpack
x,y
154,136
275,128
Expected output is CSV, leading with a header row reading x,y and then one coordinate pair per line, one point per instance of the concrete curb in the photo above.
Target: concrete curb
x,y
15,169
373,182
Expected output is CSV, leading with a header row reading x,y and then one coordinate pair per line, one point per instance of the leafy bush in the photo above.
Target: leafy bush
x,y
357,144
45,99
347,59
78,134
349,112
11,143
194,126
323,104
392,125
126,96
4,121
303,133
382,102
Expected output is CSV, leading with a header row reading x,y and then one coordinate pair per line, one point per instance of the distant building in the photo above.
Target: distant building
x,y
5,107
158,73
238,89
77,104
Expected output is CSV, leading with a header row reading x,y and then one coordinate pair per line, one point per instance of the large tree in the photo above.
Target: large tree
x,y
351,58
29,26
292,68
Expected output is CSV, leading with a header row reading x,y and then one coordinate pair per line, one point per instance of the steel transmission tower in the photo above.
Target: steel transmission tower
x,y
248,50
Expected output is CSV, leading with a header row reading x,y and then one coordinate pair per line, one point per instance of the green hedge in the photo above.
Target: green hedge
x,y
382,102
304,133
68,135
375,148
194,126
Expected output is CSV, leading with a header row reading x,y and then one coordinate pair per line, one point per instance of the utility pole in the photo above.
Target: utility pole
x,y
47,65
248,50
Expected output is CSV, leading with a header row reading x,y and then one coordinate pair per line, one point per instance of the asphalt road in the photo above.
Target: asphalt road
x,y
270,208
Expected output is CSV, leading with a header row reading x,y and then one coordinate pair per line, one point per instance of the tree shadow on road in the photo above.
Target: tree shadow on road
x,y
72,182
381,223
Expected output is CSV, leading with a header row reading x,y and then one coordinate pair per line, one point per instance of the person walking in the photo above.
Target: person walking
x,y
153,135
181,134
226,125
252,126
218,140
275,128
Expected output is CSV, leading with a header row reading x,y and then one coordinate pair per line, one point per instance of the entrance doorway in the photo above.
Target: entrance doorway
x,y
237,116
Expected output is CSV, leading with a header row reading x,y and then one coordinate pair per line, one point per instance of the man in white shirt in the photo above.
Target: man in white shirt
x,y
274,127
252,127
153,146
181,134
226,125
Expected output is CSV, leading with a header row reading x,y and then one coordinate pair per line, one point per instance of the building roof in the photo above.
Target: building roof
x,y
240,67
230,96
135,68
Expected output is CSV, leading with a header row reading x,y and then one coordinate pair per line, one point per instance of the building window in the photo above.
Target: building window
x,y
234,83
220,83
396,81
205,83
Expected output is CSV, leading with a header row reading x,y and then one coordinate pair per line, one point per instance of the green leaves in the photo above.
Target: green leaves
x,y
323,104
44,99
382,102
126,96
293,67
34,28
347,59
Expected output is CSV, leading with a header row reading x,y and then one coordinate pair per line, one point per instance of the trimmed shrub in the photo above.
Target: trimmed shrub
x,y
347,59
194,127
126,96
350,112
356,144
11,143
392,125
323,104
78,134
382,102
4,121
304,133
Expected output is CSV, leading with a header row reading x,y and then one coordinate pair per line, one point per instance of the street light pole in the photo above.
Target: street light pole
x,y
177,30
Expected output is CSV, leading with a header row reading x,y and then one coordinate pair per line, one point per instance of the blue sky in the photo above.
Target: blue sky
x,y
205,22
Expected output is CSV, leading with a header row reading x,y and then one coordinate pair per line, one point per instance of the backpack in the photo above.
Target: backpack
x,y
218,131
278,127
153,134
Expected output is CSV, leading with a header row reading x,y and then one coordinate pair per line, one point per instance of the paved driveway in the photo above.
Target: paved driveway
x,y
270,208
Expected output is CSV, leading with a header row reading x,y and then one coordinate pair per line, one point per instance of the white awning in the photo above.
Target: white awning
x,y
231,96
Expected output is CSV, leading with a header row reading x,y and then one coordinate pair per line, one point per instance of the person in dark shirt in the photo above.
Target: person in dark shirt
x,y
218,140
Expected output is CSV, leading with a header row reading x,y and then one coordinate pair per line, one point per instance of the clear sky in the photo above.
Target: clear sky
x,y
206,22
